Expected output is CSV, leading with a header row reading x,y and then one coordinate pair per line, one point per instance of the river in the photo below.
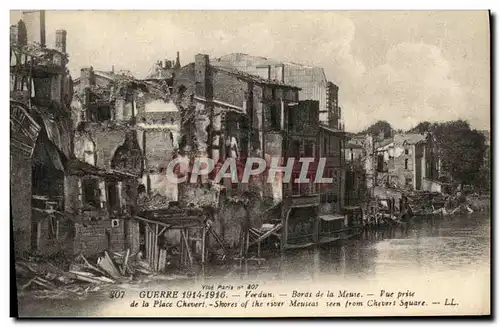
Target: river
x,y
430,251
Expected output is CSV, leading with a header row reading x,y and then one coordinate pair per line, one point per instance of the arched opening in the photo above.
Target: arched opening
x,y
128,156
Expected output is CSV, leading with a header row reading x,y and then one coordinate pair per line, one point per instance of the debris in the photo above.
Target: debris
x,y
125,262
91,278
107,264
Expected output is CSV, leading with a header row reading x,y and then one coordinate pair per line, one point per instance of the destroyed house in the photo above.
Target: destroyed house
x,y
40,124
407,161
101,204
311,80
223,113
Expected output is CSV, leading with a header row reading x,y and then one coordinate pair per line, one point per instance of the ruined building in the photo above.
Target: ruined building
x,y
311,80
408,161
41,140
226,113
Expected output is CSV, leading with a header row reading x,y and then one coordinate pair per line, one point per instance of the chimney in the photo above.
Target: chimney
x,y
168,64
35,26
202,76
113,69
178,61
86,78
61,40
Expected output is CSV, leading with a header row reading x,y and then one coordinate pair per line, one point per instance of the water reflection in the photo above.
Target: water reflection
x,y
424,245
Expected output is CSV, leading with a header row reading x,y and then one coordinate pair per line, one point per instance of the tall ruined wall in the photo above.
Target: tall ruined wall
x,y
401,173
229,89
159,147
20,203
107,141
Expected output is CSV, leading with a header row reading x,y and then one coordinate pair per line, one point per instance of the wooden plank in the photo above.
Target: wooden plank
x,y
107,264
125,262
188,250
146,242
38,234
217,238
152,221
247,236
92,279
156,248
90,266
162,231
162,260
203,244
266,235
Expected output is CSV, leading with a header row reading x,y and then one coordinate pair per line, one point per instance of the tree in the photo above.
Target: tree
x,y
379,126
461,149
422,127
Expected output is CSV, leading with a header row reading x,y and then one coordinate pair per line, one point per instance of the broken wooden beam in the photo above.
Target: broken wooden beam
x,y
107,264
266,234
125,262
86,277
217,238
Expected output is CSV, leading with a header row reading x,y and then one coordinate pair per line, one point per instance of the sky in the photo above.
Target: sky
x,y
403,67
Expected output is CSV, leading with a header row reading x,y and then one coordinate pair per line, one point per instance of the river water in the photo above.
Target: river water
x,y
448,244
429,250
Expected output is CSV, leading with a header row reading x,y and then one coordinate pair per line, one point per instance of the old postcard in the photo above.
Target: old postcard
x,y
250,163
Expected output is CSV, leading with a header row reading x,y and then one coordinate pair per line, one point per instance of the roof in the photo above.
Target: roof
x,y
106,74
411,138
384,142
332,130
240,56
252,78
244,61
353,146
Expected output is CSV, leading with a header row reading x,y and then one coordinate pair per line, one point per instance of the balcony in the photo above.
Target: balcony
x,y
304,194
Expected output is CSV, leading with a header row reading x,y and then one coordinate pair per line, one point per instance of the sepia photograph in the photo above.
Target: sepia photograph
x,y
175,163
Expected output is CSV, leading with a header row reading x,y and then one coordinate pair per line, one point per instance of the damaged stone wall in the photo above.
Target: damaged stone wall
x,y
229,89
97,236
402,174
20,203
158,148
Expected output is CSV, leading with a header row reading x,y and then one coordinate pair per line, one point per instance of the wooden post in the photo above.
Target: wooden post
x,y
183,248
247,236
188,250
57,229
146,241
156,247
203,245
38,234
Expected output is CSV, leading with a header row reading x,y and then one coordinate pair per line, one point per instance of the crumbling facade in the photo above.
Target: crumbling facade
x,y
41,140
331,143
407,161
311,80
110,163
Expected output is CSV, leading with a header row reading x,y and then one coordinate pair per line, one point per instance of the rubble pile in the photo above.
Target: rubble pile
x,y
43,279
